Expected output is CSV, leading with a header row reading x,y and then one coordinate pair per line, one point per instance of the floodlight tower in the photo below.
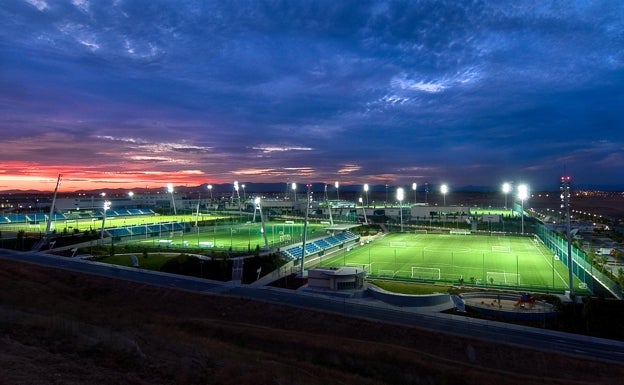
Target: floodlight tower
x,y
258,206
49,224
293,186
305,229
366,192
400,197
210,189
426,192
414,187
337,191
244,195
565,205
236,188
170,190
444,190
523,193
197,212
386,201
329,207
364,210
106,206
506,191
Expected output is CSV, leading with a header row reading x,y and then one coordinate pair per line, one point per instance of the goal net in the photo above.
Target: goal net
x,y
386,273
397,244
420,231
501,249
365,266
502,277
426,272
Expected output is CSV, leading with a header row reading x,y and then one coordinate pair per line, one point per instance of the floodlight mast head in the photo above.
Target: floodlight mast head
x,y
131,194
506,190
523,192
366,187
169,188
444,189
414,185
400,194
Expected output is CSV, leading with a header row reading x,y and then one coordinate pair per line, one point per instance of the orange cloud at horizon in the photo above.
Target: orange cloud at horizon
x,y
33,176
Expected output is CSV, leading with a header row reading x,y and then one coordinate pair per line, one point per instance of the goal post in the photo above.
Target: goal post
x,y
502,277
418,231
501,249
397,245
426,272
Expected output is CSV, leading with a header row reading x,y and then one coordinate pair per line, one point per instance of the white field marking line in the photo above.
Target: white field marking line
x,y
551,266
447,249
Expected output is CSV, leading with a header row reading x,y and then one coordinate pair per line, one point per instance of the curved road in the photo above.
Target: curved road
x,y
541,339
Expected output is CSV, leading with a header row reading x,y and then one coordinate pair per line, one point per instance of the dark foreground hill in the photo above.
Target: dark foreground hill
x,y
65,328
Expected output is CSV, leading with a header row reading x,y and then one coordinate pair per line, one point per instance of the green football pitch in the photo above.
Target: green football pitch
x,y
505,261
237,236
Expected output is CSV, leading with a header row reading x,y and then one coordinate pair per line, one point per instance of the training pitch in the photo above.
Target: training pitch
x,y
492,260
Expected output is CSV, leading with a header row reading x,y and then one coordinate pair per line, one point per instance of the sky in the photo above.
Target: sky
x,y
122,94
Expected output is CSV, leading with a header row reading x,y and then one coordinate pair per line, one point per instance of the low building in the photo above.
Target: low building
x,y
336,278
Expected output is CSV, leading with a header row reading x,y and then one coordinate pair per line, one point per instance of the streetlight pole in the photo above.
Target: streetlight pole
x,y
400,196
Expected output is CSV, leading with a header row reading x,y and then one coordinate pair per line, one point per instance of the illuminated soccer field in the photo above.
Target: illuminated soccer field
x,y
503,261
237,236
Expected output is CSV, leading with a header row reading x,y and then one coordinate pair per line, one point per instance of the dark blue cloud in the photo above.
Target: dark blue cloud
x,y
471,93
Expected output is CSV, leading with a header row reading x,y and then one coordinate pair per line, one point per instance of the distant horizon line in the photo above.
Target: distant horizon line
x,y
267,187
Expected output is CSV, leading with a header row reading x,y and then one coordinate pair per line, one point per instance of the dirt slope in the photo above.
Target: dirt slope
x,y
65,328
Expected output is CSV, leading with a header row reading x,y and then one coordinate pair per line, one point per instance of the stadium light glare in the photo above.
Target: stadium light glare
x,y
336,184
400,197
366,192
444,190
131,194
414,187
506,191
